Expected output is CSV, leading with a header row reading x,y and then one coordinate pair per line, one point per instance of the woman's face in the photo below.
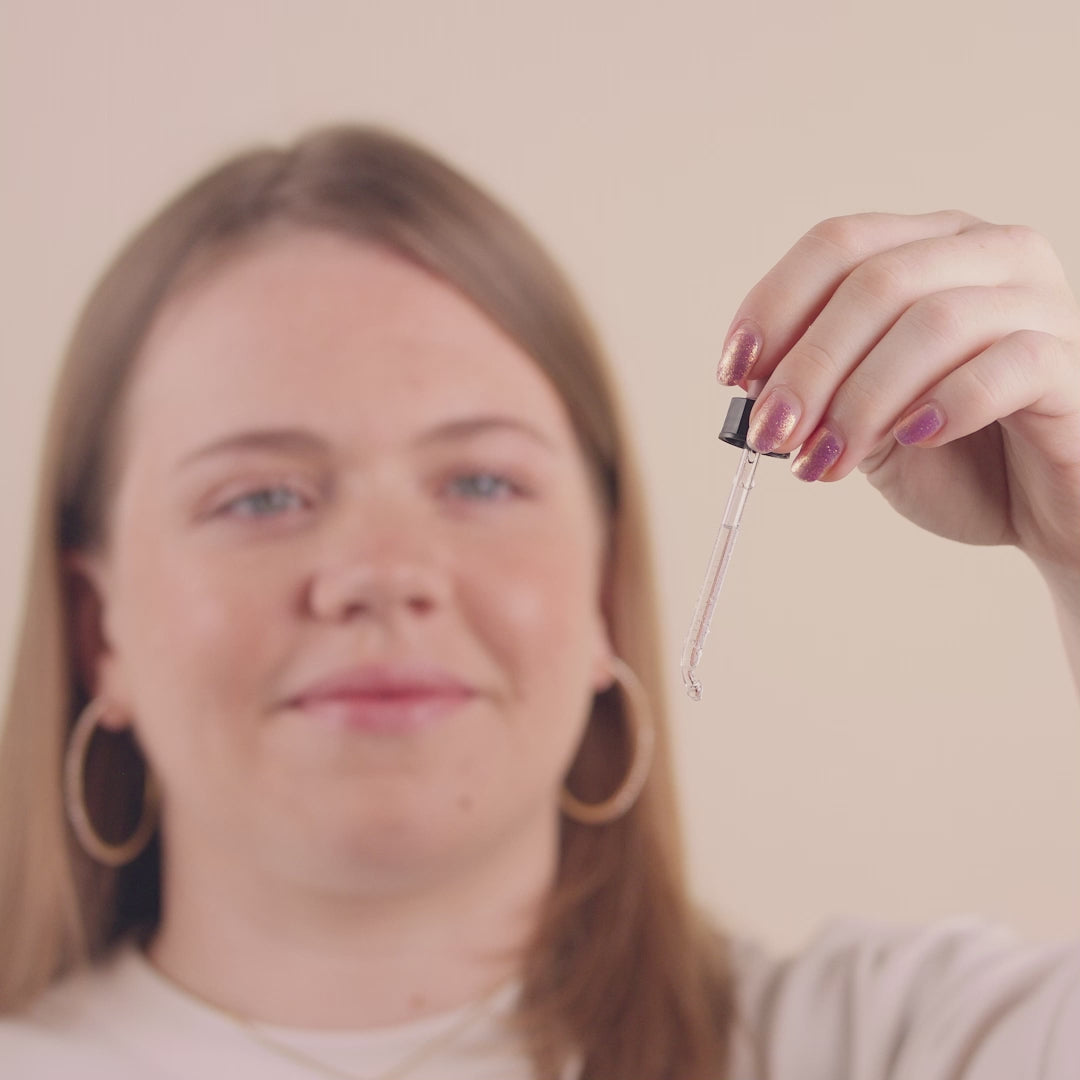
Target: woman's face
x,y
352,592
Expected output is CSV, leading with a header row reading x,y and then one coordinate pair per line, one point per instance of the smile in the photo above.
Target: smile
x,y
395,713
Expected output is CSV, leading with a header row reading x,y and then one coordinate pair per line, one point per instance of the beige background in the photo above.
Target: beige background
x,y
888,726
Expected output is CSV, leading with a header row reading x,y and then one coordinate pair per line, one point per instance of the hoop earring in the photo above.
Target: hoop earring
x,y
643,734
112,855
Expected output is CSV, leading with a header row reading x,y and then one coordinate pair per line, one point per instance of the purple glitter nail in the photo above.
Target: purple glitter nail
x,y
817,456
740,352
915,428
775,420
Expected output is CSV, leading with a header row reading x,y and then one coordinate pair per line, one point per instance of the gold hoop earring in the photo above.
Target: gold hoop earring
x,y
643,735
113,855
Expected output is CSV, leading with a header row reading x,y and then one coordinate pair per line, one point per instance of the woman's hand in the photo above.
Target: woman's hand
x,y
939,354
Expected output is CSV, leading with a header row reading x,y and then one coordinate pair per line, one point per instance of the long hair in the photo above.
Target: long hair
x,y
623,971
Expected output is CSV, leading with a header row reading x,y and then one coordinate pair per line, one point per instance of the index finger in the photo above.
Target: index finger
x,y
779,309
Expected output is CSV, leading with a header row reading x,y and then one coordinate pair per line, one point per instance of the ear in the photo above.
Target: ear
x,y
603,649
85,587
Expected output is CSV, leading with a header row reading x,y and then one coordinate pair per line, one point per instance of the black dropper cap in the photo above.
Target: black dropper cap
x,y
737,422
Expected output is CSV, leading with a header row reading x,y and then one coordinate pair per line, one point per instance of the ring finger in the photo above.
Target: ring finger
x,y
934,336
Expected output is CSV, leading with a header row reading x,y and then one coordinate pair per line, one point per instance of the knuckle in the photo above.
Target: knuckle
x,y
1027,239
984,387
883,278
1016,360
841,233
1030,348
859,400
816,357
938,316
963,220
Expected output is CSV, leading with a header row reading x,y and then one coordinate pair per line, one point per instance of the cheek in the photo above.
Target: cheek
x,y
543,589
198,635
537,602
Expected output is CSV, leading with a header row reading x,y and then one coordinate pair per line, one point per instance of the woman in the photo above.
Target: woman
x,y
342,627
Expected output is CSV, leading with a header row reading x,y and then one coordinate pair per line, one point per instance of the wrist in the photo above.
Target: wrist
x,y
1064,585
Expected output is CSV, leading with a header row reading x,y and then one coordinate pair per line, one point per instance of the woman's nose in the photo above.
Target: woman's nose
x,y
385,571
384,588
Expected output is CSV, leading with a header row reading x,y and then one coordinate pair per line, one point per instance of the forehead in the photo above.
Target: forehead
x,y
308,328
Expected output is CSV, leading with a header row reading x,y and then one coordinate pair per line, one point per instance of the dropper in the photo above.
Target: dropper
x,y
733,433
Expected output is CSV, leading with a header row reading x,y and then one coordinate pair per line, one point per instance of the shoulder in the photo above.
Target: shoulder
x,y
958,1000
116,1020
122,1020
58,1034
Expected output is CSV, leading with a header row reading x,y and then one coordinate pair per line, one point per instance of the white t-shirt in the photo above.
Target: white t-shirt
x,y
958,1001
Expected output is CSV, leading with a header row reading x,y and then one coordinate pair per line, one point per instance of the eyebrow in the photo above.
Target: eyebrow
x,y
308,444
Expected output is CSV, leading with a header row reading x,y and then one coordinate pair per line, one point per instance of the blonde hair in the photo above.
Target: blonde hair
x,y
623,970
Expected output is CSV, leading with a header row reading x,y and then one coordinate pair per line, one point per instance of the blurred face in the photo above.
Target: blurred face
x,y
351,599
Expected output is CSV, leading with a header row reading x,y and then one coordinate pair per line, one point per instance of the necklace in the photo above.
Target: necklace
x,y
411,1061
255,1032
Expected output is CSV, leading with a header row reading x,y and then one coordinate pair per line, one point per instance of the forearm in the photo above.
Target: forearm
x,y
1065,589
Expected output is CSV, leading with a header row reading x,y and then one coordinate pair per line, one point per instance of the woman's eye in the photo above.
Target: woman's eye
x,y
264,502
483,486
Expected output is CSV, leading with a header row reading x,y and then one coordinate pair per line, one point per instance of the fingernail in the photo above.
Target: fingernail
x,y
919,424
819,454
777,414
741,350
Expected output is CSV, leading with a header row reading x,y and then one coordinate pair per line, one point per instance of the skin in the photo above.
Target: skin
x,y
315,874
410,882
867,318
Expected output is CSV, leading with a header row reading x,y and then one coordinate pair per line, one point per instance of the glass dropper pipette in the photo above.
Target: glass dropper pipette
x,y
734,434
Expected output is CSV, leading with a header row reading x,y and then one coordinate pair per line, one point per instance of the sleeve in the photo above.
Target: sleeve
x,y
962,1000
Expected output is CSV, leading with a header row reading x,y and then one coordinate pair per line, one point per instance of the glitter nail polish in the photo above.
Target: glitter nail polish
x,y
920,424
819,453
777,414
741,350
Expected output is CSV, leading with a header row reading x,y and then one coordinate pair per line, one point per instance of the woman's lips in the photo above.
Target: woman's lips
x,y
383,700
389,714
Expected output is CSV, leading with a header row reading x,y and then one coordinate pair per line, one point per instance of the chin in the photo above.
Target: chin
x,y
389,837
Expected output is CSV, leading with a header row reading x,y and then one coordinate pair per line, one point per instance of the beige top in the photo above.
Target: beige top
x,y
958,1001
961,1000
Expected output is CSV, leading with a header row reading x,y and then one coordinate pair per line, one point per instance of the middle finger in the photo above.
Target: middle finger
x,y
934,337
858,315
